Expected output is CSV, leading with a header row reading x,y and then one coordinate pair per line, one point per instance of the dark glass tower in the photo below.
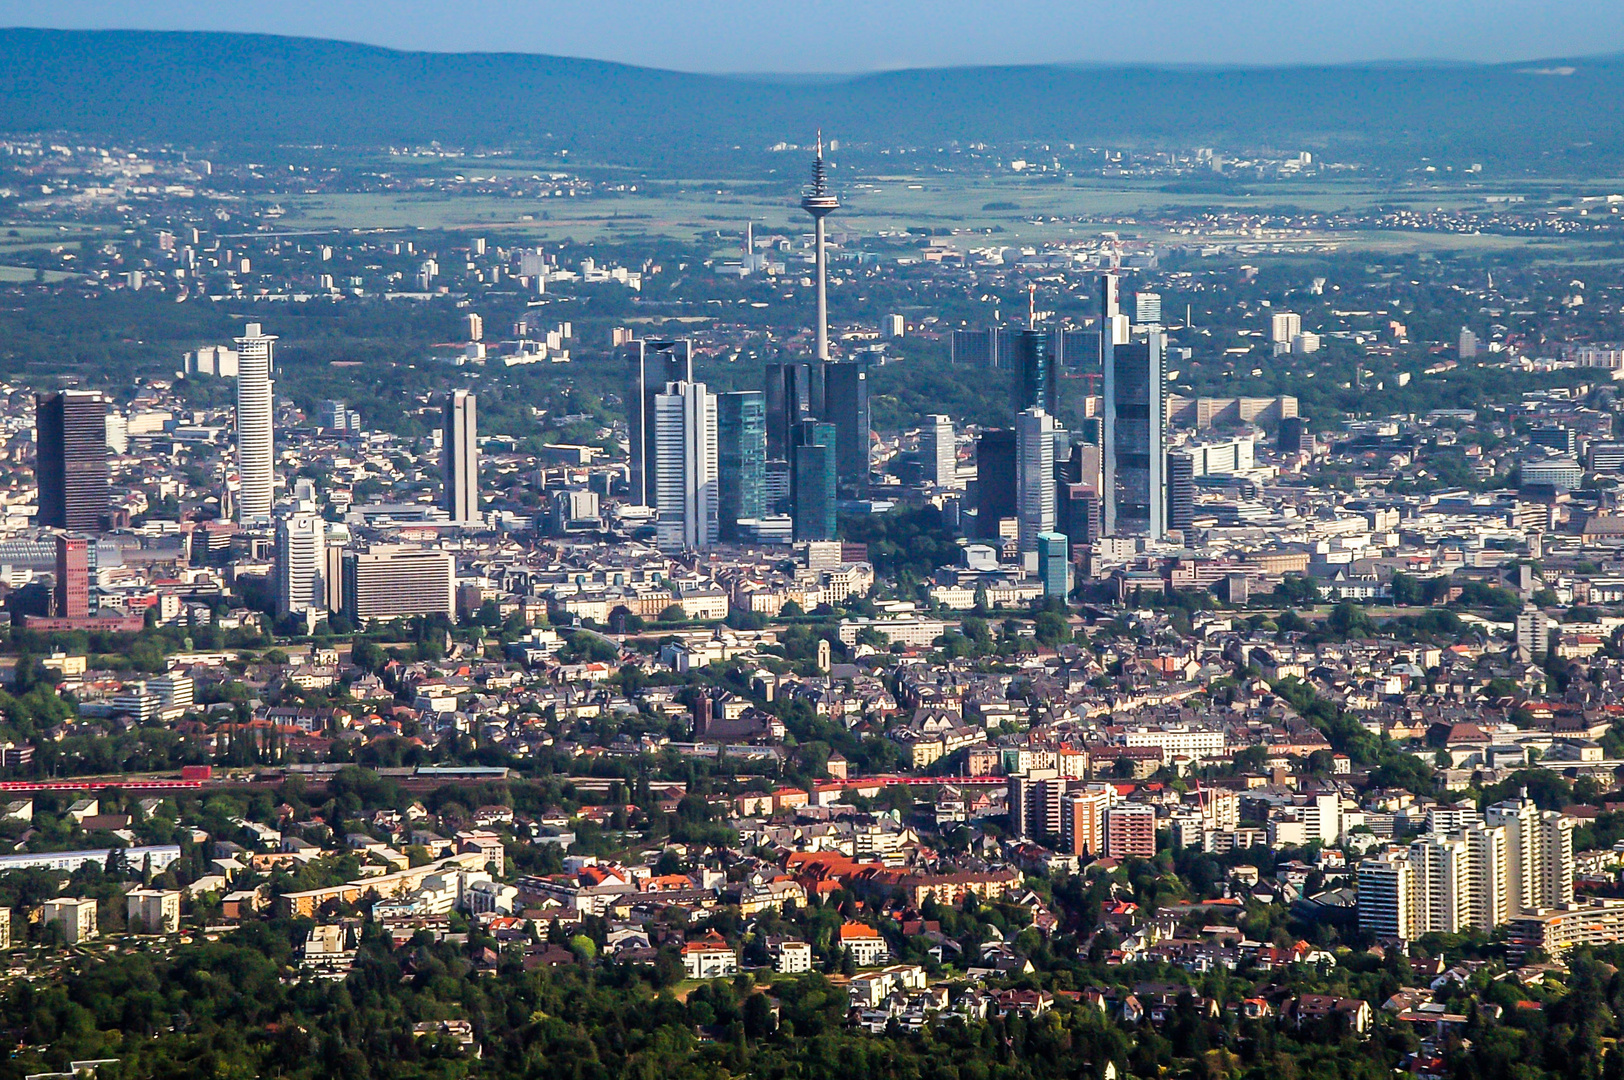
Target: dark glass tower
x,y
1037,381
995,480
789,401
650,366
741,458
1180,491
812,481
845,405
72,467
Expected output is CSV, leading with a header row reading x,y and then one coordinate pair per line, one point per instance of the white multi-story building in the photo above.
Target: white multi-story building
x,y
1197,744
76,917
1539,854
1034,480
256,479
301,564
939,451
157,911
1441,877
1533,631
459,448
685,475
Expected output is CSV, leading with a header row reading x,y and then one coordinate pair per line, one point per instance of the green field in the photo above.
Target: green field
x,y
965,207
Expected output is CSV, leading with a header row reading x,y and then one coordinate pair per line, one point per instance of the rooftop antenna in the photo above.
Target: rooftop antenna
x,y
1031,305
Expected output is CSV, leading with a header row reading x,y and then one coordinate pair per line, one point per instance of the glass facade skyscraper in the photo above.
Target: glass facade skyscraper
x,y
741,448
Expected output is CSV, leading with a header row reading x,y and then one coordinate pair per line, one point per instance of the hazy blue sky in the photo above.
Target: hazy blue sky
x,y
855,35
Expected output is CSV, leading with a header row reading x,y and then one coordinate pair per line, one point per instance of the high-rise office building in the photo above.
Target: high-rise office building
x,y
1037,373
1133,481
301,564
777,486
459,456
652,366
72,594
255,452
741,456
820,202
1054,564
1293,435
789,401
939,451
685,444
1147,308
995,480
1180,492
1034,479
72,467
1077,513
845,405
337,416
813,476
391,581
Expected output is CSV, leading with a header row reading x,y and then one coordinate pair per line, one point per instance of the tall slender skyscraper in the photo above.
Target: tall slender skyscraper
x,y
459,454
1037,378
685,448
1034,480
820,202
255,452
652,365
741,454
845,405
72,467
1133,481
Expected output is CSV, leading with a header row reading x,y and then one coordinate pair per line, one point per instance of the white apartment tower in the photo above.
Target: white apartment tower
x,y
1284,326
1441,878
301,564
685,467
1539,854
1489,901
1034,479
255,455
459,450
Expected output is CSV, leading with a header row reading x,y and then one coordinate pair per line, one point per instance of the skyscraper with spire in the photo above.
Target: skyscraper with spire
x,y
820,202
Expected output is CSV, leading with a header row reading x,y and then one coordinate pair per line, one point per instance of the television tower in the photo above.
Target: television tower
x,y
820,202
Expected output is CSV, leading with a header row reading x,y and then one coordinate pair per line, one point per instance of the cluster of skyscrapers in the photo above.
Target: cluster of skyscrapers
x,y
1035,485
751,465
747,465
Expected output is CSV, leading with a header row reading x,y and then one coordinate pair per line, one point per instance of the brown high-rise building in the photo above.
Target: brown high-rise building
x,y
72,577
72,465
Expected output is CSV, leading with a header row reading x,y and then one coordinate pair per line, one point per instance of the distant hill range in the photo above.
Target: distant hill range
x,y
202,89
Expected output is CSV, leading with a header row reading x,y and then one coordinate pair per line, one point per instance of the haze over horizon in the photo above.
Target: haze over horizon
x,y
846,36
